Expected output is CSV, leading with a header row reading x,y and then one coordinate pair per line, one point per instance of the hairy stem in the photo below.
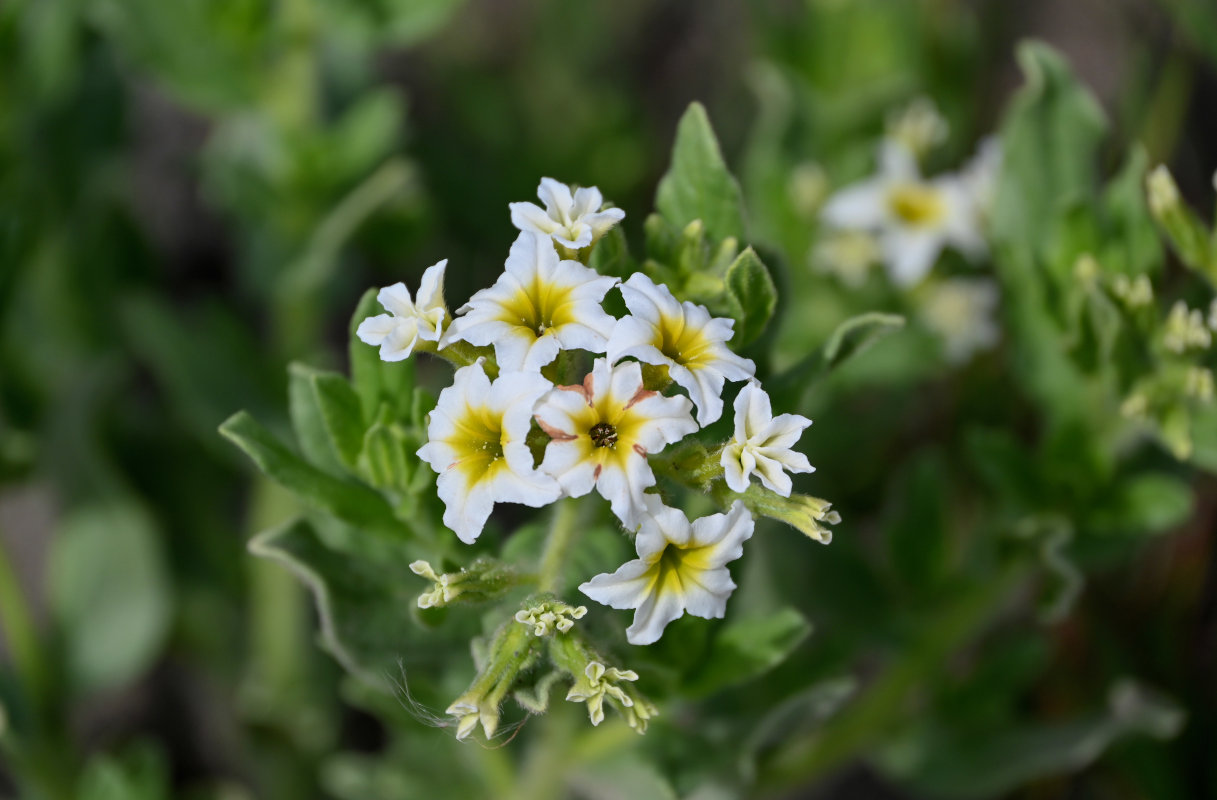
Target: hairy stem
x,y
561,535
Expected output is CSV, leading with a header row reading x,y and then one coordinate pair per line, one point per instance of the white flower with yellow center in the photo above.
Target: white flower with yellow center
x,y
914,217
539,306
762,444
398,332
680,567
573,220
962,311
663,331
602,432
476,442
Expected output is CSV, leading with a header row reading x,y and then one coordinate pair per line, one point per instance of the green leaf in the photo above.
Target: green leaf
x,y
341,414
965,765
746,648
307,421
751,290
851,338
1050,138
1147,503
698,184
611,255
354,503
110,591
1131,243
363,601
377,381
916,536
141,773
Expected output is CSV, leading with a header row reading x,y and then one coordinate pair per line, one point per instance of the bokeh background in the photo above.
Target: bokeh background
x,y
194,194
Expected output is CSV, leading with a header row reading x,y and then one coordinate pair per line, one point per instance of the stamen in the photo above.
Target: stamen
x,y
603,434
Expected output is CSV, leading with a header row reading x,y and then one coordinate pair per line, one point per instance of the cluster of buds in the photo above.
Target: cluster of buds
x,y
482,580
1135,293
1186,329
549,616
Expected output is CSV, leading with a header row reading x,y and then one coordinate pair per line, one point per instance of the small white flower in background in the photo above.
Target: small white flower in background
x,y
602,432
398,332
476,442
680,567
918,127
681,336
549,616
762,444
1185,329
601,684
1135,293
915,218
962,311
469,710
847,254
1200,384
574,221
538,306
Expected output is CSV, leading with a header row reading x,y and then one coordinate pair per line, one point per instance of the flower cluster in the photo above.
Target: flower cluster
x,y
556,398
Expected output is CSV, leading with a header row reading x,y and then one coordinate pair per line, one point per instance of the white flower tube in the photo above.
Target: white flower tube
x,y
398,332
683,337
680,568
539,306
762,444
476,442
602,432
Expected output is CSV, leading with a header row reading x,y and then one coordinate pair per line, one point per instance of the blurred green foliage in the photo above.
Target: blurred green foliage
x,y
194,196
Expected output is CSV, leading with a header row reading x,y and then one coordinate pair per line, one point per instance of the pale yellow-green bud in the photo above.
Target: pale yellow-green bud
x,y
1086,270
1200,384
919,127
510,653
1135,406
807,188
1162,191
1185,329
482,580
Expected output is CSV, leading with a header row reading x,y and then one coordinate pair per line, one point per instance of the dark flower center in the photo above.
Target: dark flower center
x,y
603,434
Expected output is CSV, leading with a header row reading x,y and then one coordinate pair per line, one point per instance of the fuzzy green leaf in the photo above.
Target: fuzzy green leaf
x,y
353,503
698,184
746,648
751,291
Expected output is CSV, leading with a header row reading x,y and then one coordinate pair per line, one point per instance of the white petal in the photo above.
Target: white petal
x,y
466,507
557,198
588,200
431,288
625,588
634,337
570,464
623,485
733,473
910,255
400,342
396,300
861,206
532,218
373,330
897,163
668,420
559,409
725,533
772,477
653,615
706,593
648,300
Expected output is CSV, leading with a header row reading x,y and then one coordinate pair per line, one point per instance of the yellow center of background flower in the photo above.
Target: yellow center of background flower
x,y
916,204
540,307
685,345
479,444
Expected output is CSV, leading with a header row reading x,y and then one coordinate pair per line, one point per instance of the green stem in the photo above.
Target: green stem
x,y
557,545
19,632
864,723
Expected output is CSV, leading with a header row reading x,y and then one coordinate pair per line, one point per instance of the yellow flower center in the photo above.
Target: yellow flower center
x,y
540,307
479,445
677,566
916,204
684,345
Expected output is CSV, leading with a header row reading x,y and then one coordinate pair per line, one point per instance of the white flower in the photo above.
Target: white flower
x,y
918,127
476,442
762,443
574,221
1185,329
398,332
538,306
914,217
681,336
962,311
604,429
680,567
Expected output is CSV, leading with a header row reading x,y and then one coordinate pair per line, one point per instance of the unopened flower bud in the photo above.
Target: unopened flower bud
x,y
550,615
482,580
